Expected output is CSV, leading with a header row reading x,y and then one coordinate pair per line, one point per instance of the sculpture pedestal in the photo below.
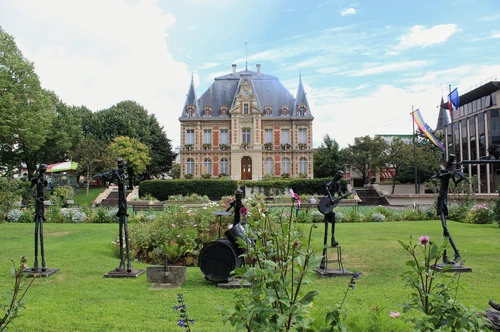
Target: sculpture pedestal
x,y
458,268
324,271
161,278
123,273
234,283
39,273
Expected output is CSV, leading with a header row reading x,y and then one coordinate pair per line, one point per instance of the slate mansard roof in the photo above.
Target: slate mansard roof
x,y
267,89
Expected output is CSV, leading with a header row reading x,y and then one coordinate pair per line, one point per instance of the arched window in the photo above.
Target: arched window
x,y
207,166
268,111
302,110
223,111
303,165
285,166
207,111
224,166
190,166
190,111
285,111
268,166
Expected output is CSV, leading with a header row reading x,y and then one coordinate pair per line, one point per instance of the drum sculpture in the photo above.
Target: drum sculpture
x,y
220,257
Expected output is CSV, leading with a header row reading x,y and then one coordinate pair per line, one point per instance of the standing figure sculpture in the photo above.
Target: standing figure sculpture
x,y
119,176
454,173
236,204
326,205
41,183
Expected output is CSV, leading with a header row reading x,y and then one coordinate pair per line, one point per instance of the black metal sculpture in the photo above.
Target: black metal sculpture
x,y
453,172
236,204
326,206
119,176
42,184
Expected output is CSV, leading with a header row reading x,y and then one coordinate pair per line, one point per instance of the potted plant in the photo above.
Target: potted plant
x,y
188,147
245,146
206,146
268,146
302,146
224,146
286,146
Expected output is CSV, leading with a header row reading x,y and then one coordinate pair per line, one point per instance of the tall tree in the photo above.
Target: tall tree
x,y
91,155
128,118
365,155
26,111
328,158
133,152
399,156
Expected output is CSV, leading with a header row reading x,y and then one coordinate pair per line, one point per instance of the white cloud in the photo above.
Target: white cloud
x,y
418,36
495,34
348,11
109,52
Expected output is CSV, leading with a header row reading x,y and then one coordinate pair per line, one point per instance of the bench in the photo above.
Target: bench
x,y
70,203
146,206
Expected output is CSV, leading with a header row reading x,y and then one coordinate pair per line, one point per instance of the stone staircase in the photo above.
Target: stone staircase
x,y
109,198
370,197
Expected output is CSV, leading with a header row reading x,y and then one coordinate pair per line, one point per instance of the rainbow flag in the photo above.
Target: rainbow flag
x,y
419,121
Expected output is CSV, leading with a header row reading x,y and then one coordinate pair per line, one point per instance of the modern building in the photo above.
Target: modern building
x,y
246,125
476,126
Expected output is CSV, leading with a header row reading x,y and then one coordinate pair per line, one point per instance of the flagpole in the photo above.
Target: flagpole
x,y
414,150
451,117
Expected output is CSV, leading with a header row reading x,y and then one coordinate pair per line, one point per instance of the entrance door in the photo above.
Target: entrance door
x,y
246,168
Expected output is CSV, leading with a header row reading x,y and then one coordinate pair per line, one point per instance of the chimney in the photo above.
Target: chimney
x,y
234,69
258,68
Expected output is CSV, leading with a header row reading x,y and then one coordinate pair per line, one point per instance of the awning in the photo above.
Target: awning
x,y
62,167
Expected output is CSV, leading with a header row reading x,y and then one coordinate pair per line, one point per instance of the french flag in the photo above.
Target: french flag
x,y
453,101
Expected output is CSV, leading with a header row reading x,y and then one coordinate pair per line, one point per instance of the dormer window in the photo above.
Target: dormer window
x,y
302,110
223,111
190,112
268,111
207,111
285,111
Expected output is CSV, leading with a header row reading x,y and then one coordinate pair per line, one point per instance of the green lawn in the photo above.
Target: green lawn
x,y
82,199
78,297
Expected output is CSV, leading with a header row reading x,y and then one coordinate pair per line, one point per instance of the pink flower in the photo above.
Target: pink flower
x,y
243,210
195,225
295,196
423,240
395,314
178,235
173,225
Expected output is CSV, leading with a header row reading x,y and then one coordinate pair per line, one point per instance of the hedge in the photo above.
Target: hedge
x,y
161,189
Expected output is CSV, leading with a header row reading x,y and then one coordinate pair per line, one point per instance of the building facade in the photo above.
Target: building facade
x,y
246,125
476,126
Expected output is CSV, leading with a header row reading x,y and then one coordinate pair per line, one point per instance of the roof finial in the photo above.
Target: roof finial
x,y
246,56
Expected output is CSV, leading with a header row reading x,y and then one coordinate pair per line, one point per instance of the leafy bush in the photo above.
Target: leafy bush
x,y
432,292
14,215
75,216
458,212
101,215
377,217
428,211
178,233
480,214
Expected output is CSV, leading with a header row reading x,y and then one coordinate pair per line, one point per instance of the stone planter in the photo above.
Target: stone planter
x,y
174,277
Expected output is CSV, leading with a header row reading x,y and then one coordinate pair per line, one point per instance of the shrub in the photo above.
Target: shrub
x,y
377,217
458,212
433,293
480,214
14,215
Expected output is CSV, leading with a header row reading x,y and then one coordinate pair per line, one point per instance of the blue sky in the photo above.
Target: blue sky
x,y
364,64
